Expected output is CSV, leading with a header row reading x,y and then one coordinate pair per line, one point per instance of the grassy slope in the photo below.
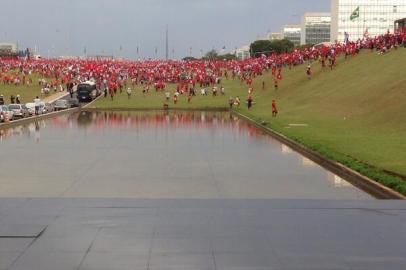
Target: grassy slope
x,y
27,93
357,110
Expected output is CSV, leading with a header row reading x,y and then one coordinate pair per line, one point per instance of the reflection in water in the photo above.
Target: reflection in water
x,y
159,155
286,149
28,130
337,181
95,121
307,162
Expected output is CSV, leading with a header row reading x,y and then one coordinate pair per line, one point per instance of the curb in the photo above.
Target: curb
x,y
36,118
363,182
57,98
94,100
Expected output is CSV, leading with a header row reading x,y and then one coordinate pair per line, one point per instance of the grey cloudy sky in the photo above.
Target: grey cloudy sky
x,y
66,27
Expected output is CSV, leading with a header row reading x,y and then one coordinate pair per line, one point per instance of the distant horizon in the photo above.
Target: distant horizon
x,y
101,27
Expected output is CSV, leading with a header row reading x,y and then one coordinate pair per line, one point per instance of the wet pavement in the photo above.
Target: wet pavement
x,y
158,155
120,191
115,234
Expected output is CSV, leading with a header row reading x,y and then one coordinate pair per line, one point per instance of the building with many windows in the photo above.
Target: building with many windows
x,y
292,33
274,36
400,24
315,28
243,52
9,47
358,18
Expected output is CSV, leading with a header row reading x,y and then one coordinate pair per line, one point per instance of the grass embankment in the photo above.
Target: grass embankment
x,y
27,93
355,114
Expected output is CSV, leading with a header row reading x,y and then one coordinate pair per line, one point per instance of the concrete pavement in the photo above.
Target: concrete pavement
x,y
42,234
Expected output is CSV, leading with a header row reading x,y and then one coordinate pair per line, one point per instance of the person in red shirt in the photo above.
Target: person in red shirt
x,y
274,109
111,93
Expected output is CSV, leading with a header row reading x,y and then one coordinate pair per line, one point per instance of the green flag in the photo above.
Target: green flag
x,y
355,14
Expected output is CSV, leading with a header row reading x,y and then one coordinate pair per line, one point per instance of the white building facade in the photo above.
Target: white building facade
x,y
359,18
292,33
11,47
274,36
315,28
243,52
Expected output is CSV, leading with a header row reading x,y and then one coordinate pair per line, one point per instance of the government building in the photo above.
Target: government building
x,y
362,18
292,33
315,28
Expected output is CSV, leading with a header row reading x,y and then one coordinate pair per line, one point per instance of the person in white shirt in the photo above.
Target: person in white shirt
x,y
129,91
37,103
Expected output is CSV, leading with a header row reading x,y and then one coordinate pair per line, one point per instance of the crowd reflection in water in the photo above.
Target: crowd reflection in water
x,y
95,121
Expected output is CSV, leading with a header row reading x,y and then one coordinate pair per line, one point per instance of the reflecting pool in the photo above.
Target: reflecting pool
x,y
198,155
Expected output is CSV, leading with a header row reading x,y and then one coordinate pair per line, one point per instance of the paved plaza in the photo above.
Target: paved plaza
x,y
121,234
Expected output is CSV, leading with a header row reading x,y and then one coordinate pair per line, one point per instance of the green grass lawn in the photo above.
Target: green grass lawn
x,y
27,93
355,114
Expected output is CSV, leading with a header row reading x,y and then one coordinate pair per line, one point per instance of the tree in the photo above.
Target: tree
x,y
260,46
266,47
189,58
227,56
211,55
283,46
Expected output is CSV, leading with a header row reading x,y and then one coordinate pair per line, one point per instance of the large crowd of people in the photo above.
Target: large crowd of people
x,y
116,76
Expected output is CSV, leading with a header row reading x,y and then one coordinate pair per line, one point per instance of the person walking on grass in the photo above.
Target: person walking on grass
x,y
309,72
276,84
274,109
237,101
112,94
231,103
129,91
249,102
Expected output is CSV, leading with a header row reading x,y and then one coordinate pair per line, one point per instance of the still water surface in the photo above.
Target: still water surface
x,y
158,155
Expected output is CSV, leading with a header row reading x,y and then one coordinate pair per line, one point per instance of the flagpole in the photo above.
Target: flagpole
x,y
358,24
364,24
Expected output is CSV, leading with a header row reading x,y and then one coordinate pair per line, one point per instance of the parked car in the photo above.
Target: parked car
x,y
31,108
61,104
49,107
5,111
74,103
19,110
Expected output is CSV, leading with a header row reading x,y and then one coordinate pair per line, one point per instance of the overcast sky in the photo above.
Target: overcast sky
x,y
67,27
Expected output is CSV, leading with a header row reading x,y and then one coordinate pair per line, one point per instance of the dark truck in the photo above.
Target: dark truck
x,y
87,91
